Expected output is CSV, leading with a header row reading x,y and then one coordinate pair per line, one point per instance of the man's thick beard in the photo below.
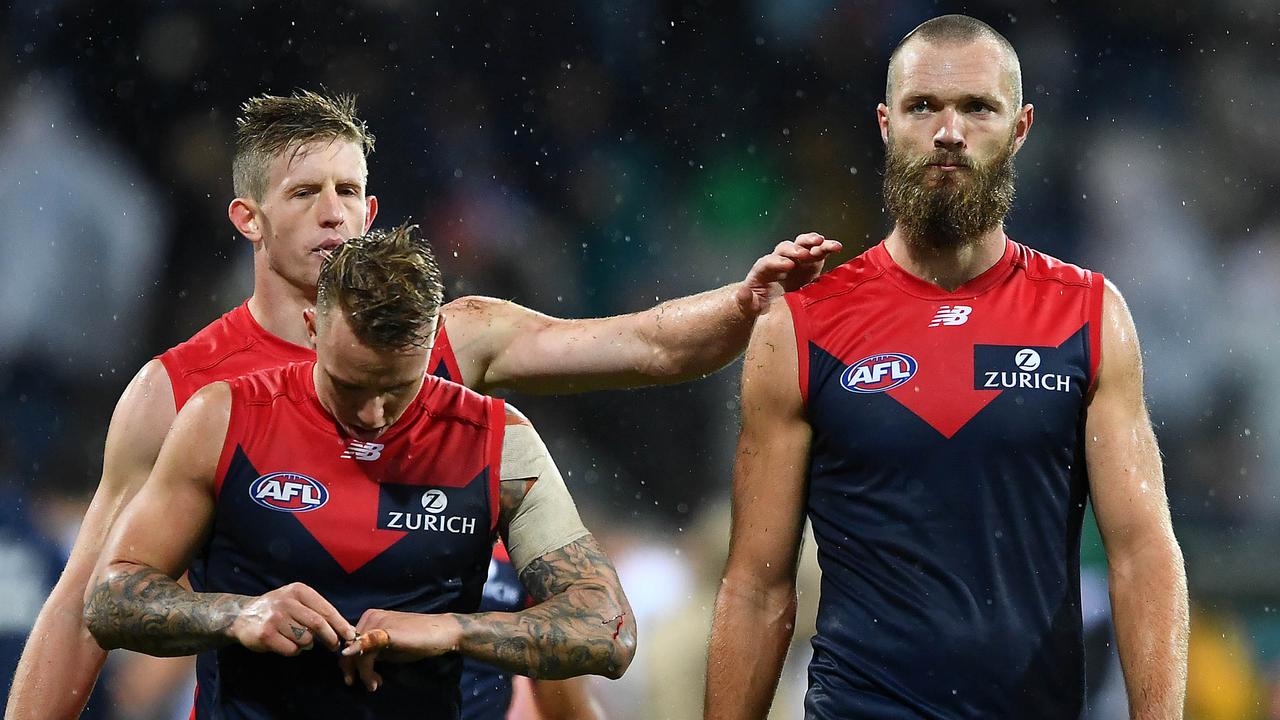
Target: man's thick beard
x,y
954,212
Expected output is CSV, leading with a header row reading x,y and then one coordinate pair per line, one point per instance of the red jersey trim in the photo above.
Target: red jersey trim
x,y
1097,295
800,324
234,430
443,352
497,431
178,384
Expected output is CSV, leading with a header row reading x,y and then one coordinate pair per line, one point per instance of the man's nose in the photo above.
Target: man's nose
x,y
950,134
332,213
372,414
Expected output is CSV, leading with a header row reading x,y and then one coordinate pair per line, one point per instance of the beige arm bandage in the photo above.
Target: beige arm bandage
x,y
547,520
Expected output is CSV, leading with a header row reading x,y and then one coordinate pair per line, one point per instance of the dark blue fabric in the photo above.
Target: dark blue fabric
x,y
950,566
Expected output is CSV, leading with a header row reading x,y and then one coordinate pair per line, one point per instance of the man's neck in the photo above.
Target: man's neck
x,y
948,268
278,306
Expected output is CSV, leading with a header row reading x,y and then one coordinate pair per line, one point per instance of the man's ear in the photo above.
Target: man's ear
x,y
882,119
371,211
245,216
309,317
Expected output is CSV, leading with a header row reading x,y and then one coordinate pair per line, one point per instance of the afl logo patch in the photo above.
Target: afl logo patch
x,y
288,492
878,373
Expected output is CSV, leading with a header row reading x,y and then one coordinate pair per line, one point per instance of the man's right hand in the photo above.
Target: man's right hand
x,y
290,619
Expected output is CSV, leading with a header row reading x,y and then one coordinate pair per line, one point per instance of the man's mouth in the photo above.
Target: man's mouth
x,y
327,247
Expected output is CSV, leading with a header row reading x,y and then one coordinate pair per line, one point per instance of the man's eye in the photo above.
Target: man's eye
x,y
920,106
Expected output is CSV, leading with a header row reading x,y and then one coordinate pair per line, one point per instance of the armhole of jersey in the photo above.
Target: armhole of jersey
x,y
177,383
801,328
497,431
228,443
1097,295
442,352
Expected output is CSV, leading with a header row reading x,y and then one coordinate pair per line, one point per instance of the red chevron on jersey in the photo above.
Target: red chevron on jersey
x,y
871,311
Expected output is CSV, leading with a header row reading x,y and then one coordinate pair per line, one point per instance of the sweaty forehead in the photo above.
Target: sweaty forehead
x,y
319,159
955,68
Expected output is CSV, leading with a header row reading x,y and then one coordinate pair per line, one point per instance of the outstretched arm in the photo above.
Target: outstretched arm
x,y
581,623
1147,578
134,600
756,607
61,661
502,345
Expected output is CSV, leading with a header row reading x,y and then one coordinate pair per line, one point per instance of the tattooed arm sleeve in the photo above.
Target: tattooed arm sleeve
x,y
140,608
581,623
132,600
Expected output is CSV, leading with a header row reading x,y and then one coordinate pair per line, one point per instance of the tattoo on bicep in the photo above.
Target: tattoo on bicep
x,y
148,611
581,623
511,494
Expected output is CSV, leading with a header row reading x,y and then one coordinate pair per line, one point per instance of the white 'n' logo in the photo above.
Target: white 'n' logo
x,y
951,315
366,451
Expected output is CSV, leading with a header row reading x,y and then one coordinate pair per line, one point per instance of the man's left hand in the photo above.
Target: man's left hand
x,y
395,637
792,265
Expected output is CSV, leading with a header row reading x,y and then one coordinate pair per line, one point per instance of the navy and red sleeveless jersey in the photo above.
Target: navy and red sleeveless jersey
x,y
406,523
947,485
235,344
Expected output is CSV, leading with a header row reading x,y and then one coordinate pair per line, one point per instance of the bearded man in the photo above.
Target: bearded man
x,y
960,397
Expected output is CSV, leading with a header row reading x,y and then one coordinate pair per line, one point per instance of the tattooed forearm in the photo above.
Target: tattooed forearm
x,y
581,625
140,608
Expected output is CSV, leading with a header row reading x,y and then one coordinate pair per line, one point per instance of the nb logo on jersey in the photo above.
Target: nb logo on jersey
x,y
366,451
951,315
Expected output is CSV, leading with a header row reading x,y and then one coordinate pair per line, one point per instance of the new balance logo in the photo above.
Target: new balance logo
x,y
363,451
951,315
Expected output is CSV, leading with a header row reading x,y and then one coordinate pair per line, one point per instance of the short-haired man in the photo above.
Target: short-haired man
x,y
286,533
960,397
300,182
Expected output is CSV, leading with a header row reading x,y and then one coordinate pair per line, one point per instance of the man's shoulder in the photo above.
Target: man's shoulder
x,y
840,281
1041,266
210,344
445,399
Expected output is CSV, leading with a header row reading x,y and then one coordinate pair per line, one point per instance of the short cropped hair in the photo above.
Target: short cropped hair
x,y
271,125
958,29
387,284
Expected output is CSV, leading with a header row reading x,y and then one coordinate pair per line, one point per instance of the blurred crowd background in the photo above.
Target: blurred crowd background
x,y
590,158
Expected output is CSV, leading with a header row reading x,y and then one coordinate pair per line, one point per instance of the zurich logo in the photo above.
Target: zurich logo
x,y
1027,359
288,492
434,501
879,373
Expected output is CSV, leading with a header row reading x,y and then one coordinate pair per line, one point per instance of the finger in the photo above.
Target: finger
x,y
827,247
376,639
809,239
300,634
770,268
789,249
316,602
364,664
319,627
348,667
279,644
